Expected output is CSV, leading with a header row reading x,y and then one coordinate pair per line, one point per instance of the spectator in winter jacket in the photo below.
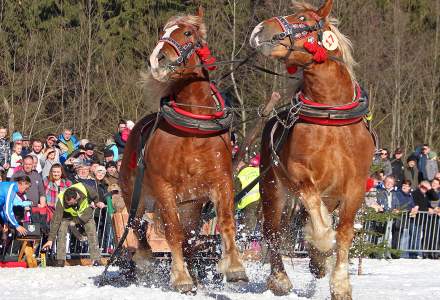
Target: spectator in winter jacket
x,y
108,156
26,143
69,142
54,184
118,137
110,145
75,205
398,167
422,160
83,175
404,202
89,154
8,193
435,185
51,143
383,160
411,172
386,197
112,176
431,165
422,201
5,149
126,132
16,160
37,151
423,197
404,197
47,161
36,191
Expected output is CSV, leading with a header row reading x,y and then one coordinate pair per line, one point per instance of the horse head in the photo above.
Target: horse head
x,y
298,39
176,53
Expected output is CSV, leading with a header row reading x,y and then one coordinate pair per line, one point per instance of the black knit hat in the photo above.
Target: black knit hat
x,y
412,157
111,164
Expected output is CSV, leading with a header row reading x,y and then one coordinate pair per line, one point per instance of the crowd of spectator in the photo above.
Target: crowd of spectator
x,y
58,162
411,187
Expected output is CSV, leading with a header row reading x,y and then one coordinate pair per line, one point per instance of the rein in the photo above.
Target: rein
x,y
136,195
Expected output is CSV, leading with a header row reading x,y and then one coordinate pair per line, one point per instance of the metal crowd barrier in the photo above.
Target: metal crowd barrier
x,y
412,235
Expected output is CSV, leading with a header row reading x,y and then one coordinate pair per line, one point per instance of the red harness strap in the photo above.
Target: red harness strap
x,y
217,115
213,116
321,106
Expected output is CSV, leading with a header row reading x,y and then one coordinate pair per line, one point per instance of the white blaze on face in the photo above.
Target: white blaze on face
x,y
154,61
254,40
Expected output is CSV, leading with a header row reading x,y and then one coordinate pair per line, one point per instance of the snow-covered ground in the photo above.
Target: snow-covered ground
x,y
394,279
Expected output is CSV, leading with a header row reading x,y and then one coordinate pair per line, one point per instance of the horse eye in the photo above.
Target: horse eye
x,y
302,18
187,33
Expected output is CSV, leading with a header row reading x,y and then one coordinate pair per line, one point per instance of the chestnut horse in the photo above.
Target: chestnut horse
x,y
184,169
325,167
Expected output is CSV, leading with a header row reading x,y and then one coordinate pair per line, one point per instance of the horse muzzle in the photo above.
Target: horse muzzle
x,y
261,40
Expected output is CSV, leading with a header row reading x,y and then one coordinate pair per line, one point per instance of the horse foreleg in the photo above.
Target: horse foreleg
x,y
180,278
339,283
318,230
230,264
189,214
273,206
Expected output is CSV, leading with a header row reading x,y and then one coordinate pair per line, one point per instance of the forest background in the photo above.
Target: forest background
x,y
70,63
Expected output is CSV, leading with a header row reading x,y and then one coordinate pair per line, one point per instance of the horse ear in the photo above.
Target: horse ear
x,y
324,10
200,12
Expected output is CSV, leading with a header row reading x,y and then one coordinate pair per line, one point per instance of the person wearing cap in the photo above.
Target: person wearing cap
x,y
411,172
51,143
108,155
82,174
16,136
47,161
89,154
112,173
74,206
398,167
249,204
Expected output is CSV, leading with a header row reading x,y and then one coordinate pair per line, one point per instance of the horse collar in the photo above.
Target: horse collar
x,y
201,124
333,115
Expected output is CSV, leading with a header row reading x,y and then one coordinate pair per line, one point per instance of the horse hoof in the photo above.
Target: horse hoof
x,y
237,276
341,296
184,288
279,284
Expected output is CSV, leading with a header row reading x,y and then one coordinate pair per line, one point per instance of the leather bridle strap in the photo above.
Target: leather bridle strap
x,y
183,52
295,31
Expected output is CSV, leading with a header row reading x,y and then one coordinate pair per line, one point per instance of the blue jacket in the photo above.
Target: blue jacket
x,y
8,192
115,150
382,199
404,201
75,142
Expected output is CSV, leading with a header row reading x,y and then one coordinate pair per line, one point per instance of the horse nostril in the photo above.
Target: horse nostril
x,y
160,56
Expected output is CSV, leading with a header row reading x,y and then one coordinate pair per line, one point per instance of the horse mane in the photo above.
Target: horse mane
x,y
345,45
156,89
194,21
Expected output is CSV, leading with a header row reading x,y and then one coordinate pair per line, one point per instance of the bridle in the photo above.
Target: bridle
x,y
184,52
296,31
